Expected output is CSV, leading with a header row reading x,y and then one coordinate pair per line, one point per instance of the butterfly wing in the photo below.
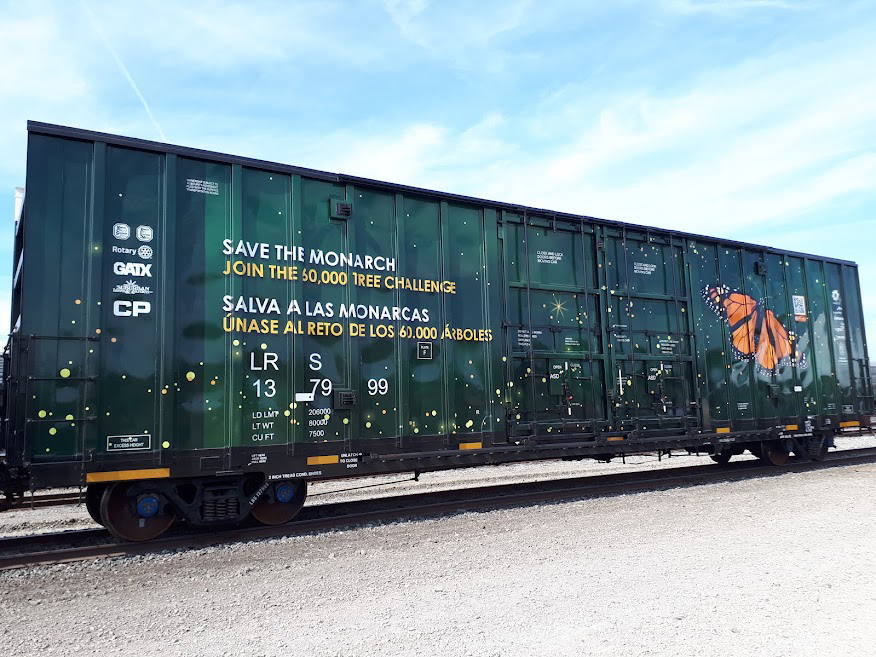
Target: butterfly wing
x,y
755,332
774,346
741,313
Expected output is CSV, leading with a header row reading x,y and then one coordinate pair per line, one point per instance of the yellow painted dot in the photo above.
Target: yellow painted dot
x,y
346,420
68,417
236,343
498,392
367,425
264,346
327,416
287,412
165,444
65,373
190,376
434,413
469,424
42,414
518,416
164,392
416,430
78,301
213,382
293,405
53,431
384,411
510,384
113,340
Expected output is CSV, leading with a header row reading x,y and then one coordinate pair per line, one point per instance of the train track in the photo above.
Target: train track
x,y
76,497
89,544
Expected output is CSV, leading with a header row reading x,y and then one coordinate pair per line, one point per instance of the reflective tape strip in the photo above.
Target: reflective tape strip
x,y
852,423
791,427
323,460
614,439
722,430
470,445
127,475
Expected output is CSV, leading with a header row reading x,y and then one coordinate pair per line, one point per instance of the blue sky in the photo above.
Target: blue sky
x,y
745,119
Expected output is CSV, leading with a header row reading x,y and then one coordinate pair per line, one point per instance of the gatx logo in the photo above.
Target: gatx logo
x,y
132,269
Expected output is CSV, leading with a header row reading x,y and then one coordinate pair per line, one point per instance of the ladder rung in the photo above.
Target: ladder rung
x,y
90,418
62,378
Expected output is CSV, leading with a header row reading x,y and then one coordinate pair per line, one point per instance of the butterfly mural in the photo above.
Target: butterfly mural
x,y
755,331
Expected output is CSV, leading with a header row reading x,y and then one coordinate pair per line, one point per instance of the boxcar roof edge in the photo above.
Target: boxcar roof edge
x,y
39,127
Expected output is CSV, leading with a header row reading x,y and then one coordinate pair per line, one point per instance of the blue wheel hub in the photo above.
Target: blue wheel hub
x,y
285,493
147,506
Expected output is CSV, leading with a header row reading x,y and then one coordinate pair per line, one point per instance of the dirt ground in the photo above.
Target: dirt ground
x,y
776,566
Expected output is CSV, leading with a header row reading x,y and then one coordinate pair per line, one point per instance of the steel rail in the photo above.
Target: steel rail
x,y
410,506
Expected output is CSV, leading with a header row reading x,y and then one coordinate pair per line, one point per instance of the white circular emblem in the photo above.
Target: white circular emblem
x,y
145,252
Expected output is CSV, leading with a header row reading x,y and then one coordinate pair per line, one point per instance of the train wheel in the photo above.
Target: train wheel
x,y
773,453
280,503
130,518
93,495
722,457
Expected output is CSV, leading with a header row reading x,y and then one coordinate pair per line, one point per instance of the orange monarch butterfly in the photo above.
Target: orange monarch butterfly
x,y
755,332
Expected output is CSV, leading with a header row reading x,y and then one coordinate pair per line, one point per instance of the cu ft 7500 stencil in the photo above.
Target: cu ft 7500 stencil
x,y
199,335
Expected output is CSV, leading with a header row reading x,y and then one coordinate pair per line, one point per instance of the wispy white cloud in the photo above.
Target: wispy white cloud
x,y
746,144
122,68
725,7
463,38
268,38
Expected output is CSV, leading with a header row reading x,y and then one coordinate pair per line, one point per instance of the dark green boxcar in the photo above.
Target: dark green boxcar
x,y
216,328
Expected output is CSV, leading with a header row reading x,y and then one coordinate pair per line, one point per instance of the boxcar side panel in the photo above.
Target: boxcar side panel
x,y
207,314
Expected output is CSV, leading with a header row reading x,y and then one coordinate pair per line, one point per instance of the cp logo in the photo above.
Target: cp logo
x,y
131,308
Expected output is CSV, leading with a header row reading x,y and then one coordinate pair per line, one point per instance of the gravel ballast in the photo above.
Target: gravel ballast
x,y
773,566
